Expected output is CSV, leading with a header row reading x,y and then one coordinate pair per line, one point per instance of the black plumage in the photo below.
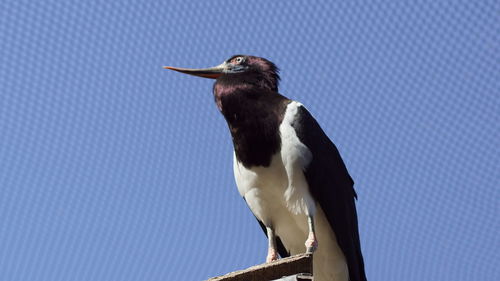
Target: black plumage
x,y
332,187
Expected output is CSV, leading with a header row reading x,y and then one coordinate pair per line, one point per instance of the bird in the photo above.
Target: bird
x,y
287,170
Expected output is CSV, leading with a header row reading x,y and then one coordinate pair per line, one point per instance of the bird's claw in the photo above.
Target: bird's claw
x,y
272,255
311,243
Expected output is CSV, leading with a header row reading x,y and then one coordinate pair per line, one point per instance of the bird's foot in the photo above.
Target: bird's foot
x,y
311,243
272,255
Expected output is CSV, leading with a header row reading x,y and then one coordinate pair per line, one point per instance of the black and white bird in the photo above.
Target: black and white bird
x,y
286,168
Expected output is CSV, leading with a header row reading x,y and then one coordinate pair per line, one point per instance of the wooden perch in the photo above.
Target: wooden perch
x,y
269,271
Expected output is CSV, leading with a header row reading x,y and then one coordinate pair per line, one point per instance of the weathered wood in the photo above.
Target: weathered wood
x,y
268,271
296,277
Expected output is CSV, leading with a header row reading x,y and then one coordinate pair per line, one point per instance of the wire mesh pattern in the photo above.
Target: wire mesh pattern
x,y
114,169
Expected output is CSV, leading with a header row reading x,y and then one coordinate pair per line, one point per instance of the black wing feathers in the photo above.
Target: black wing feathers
x,y
332,187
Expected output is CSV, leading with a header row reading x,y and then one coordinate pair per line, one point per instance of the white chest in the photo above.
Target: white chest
x,y
282,184
278,195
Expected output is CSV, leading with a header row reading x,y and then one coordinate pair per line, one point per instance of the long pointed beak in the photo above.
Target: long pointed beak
x,y
212,72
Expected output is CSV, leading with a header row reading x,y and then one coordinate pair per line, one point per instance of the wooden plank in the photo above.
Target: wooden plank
x,y
268,271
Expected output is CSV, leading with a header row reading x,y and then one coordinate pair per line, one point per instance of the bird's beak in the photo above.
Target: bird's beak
x,y
212,72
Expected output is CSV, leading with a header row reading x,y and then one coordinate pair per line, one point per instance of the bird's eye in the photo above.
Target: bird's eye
x,y
238,60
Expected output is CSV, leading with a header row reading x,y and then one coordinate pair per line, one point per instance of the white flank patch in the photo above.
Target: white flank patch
x,y
295,156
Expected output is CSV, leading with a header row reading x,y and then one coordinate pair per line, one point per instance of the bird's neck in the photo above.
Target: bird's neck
x,y
253,115
228,91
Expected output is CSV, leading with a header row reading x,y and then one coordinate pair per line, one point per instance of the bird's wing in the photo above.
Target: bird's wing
x,y
332,187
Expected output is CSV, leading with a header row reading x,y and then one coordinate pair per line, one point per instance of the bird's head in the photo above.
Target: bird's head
x,y
239,69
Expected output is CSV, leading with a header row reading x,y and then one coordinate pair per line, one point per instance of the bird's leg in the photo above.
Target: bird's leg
x,y
311,242
272,253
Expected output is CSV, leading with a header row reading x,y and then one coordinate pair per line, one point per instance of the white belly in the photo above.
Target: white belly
x,y
279,196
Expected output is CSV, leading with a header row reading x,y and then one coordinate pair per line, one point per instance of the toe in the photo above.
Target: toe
x,y
272,255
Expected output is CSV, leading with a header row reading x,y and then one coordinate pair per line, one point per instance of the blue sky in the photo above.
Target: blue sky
x,y
115,169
